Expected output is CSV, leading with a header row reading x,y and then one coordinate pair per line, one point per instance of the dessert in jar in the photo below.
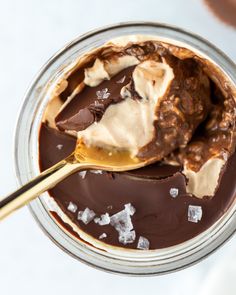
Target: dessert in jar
x,y
158,100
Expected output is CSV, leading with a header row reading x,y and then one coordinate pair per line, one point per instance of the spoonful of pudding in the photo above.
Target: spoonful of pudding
x,y
83,158
153,114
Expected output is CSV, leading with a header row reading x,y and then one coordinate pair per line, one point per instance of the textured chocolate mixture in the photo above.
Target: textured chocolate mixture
x,y
177,119
196,121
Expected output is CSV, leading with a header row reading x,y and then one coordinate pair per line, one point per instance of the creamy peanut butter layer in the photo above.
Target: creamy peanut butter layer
x,y
159,100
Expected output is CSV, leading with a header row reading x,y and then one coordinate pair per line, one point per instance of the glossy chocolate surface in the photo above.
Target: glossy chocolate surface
x,y
159,217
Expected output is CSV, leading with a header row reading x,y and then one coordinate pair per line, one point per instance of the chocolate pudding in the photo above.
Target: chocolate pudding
x,y
157,100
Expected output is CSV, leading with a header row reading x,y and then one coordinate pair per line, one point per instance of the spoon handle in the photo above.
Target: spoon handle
x,y
44,181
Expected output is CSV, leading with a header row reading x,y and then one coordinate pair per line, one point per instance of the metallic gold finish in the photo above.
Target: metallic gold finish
x,y
83,158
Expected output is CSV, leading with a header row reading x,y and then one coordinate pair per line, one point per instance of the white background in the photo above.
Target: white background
x,y
30,32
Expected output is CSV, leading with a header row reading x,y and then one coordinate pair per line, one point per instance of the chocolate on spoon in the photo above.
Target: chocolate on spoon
x,y
82,158
132,104
155,99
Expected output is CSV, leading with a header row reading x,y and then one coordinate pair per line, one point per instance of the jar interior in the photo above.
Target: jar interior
x,y
27,155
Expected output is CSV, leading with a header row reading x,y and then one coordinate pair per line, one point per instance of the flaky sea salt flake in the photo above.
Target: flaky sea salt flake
x,y
104,220
130,209
103,94
96,219
127,237
194,213
96,171
82,174
79,216
174,192
143,243
86,216
59,146
72,207
102,236
121,221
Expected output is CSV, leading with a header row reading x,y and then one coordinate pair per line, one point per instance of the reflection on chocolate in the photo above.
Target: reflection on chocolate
x,y
224,9
159,217
194,139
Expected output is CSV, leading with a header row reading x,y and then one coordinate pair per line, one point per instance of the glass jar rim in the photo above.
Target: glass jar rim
x,y
195,249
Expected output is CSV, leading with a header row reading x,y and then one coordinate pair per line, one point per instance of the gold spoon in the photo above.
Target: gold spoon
x,y
81,159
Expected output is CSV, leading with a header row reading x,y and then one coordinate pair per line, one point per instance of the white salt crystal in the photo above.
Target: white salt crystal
x,y
72,207
130,209
103,236
122,80
80,214
194,213
86,216
174,192
121,221
104,220
82,174
59,146
96,171
103,94
143,243
127,237
96,219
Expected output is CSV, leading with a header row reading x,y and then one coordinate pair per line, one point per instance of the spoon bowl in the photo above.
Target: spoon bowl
x,y
84,157
110,159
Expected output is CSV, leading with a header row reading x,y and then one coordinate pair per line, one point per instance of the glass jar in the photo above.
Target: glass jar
x,y
26,159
